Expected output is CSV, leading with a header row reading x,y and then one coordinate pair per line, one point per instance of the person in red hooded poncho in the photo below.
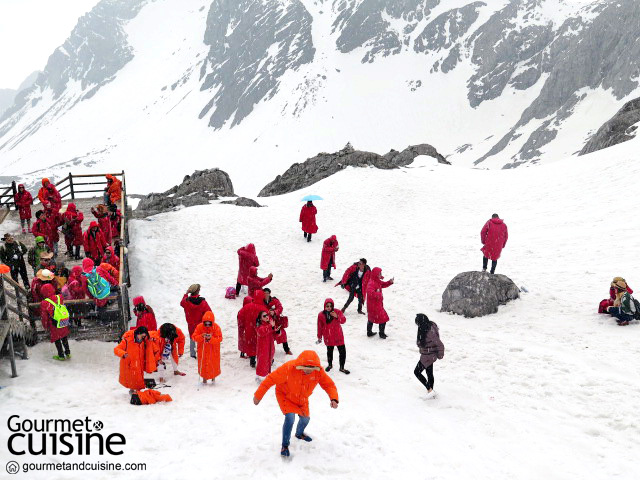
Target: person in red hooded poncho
x,y
265,344
328,257
249,314
94,243
58,330
330,322
194,307
104,222
247,258
308,219
255,282
281,322
72,228
295,382
494,237
144,314
245,301
111,258
49,196
375,306
24,200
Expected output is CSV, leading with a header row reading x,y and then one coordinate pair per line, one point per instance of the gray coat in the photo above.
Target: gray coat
x,y
432,349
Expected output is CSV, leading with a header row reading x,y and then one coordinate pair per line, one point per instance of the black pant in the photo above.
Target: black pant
x,y
76,253
418,373
307,236
237,289
285,345
485,261
352,294
60,343
326,273
21,270
342,355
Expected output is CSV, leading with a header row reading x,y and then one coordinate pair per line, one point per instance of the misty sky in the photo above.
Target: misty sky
x,y
30,30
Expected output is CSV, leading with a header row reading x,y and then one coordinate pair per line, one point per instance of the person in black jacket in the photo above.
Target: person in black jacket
x,y
355,281
12,254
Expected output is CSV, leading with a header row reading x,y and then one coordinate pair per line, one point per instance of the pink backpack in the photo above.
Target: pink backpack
x,y
230,293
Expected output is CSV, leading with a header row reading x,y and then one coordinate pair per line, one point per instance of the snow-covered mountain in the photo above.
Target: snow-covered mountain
x,y
163,87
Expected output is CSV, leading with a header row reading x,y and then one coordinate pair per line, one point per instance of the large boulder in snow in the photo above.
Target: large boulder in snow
x,y
242,202
620,128
323,165
195,189
475,294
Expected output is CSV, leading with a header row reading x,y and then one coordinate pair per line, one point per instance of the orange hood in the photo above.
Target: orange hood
x,y
308,357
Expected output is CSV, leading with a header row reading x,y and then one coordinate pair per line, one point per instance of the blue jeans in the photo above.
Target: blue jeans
x,y
289,419
620,315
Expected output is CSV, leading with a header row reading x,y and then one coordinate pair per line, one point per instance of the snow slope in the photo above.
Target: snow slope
x,y
545,388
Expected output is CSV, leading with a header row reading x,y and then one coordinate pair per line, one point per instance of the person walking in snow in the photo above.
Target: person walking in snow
x,y
355,280
431,349
249,314
194,307
375,303
330,322
12,254
281,322
55,320
170,340
328,257
295,382
308,219
247,258
494,237
24,200
265,344
208,336
240,317
255,282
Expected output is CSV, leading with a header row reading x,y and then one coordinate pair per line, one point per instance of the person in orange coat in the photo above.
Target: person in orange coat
x,y
170,347
113,191
149,397
49,196
137,355
295,382
208,336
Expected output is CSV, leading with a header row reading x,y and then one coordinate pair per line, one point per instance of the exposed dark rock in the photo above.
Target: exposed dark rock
x,y
196,189
622,127
242,202
475,294
323,165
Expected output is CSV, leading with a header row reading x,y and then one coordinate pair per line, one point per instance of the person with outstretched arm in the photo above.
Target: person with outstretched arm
x,y
295,382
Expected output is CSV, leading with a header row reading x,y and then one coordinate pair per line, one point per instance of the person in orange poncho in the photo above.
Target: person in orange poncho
x,y
208,337
137,355
295,381
113,191
149,397
170,342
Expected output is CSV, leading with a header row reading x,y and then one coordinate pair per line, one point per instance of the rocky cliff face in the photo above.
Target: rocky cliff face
x,y
621,128
323,165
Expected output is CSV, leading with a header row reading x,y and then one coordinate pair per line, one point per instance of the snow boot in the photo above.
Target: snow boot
x,y
285,451
381,332
370,332
252,362
68,355
431,395
345,371
328,369
24,231
61,359
304,437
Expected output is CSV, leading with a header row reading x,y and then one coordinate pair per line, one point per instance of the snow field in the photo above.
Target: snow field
x,y
545,388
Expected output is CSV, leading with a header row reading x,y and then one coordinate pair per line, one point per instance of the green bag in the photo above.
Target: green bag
x,y
60,312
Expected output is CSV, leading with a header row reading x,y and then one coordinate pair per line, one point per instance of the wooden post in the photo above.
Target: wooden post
x,y
73,196
15,190
21,314
5,318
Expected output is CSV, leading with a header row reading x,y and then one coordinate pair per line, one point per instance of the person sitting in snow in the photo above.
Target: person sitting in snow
x,y
431,349
623,306
170,341
608,302
494,237
281,322
308,219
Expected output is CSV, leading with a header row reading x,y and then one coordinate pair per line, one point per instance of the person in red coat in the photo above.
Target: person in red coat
x,y
55,221
355,280
101,214
194,307
24,200
94,243
72,221
247,258
328,257
249,314
58,331
330,322
115,219
616,284
42,228
49,196
111,258
375,306
77,276
265,344
308,219
245,301
281,322
255,282
494,237
144,314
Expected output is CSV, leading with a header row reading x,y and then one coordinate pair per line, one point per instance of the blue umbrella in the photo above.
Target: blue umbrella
x,y
311,198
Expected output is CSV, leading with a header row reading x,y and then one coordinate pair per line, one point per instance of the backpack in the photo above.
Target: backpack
x,y
230,293
60,312
98,287
635,308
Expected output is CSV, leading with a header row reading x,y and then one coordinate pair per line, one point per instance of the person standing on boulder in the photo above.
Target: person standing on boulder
x,y
355,280
328,258
494,237
247,258
308,219
431,349
375,306
295,382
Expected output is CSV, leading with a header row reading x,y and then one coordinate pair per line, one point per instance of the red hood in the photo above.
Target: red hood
x,y
251,248
138,300
329,300
93,224
376,273
253,271
258,297
47,290
497,221
247,300
71,208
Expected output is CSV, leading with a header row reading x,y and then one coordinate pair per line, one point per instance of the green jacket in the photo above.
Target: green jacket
x,y
625,303
34,254
12,254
